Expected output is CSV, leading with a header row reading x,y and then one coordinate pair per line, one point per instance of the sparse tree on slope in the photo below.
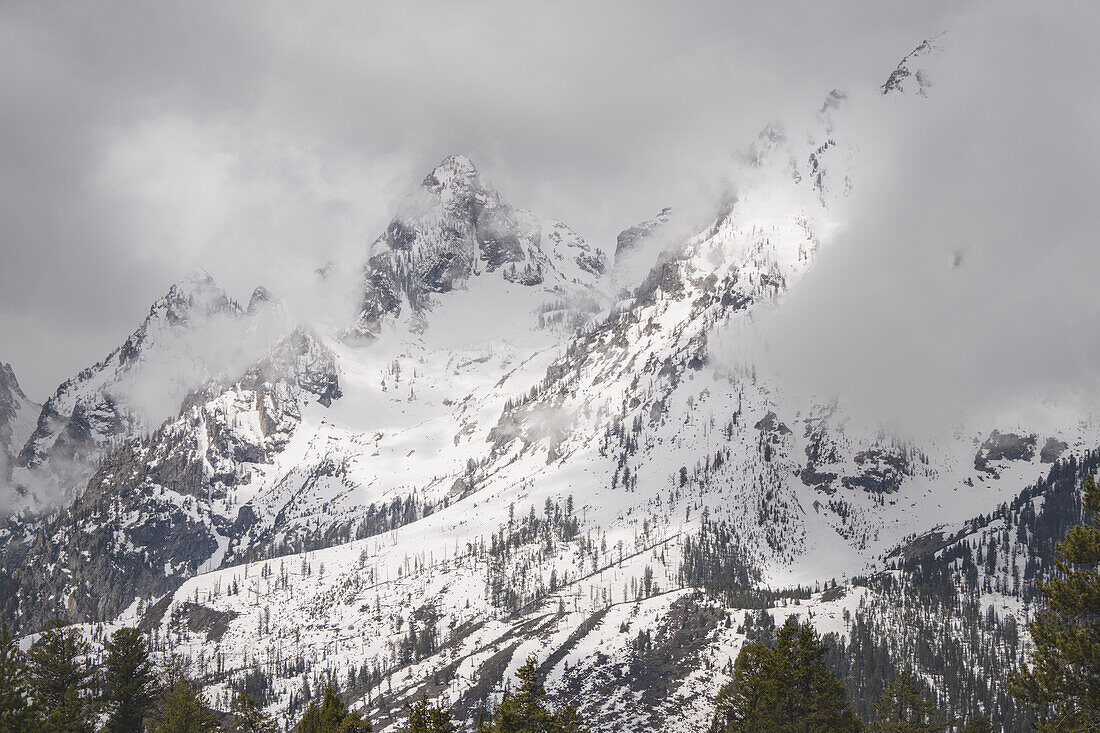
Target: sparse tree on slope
x,y
131,682
1062,686
787,689
903,708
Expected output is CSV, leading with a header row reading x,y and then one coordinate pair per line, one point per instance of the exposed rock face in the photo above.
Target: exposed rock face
x,y
159,509
1000,447
133,388
909,77
16,422
638,247
455,228
1052,450
629,238
882,468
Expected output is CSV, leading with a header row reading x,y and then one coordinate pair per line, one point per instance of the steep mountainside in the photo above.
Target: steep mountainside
x,y
17,415
493,461
192,334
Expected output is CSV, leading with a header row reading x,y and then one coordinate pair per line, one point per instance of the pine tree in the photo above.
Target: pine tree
x,y
131,682
978,724
72,714
249,717
58,672
15,710
428,718
525,711
184,709
1062,686
332,716
788,688
903,708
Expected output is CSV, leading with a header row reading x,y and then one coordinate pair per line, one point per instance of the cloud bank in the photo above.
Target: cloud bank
x,y
965,279
259,139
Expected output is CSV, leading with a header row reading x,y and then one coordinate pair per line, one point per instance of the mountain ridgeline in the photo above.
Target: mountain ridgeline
x,y
515,447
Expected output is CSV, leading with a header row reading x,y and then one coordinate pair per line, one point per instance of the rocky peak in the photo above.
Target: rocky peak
x,y
9,386
260,297
454,227
454,172
196,294
638,247
629,238
910,75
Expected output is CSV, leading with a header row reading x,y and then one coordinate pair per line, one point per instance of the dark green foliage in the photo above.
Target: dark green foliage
x,y
249,717
183,709
525,710
15,712
72,714
427,718
980,723
951,635
332,716
715,561
904,708
1062,686
131,683
58,673
788,689
510,584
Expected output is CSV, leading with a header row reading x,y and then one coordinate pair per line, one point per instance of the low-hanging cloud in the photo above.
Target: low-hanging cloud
x,y
965,279
260,140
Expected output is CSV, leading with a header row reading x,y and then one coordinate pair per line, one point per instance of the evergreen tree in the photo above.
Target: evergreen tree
x,y
72,714
1062,686
903,708
184,709
249,717
332,716
788,689
15,710
58,672
428,718
978,724
525,711
131,682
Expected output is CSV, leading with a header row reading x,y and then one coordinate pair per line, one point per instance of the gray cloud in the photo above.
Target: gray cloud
x,y
965,279
255,139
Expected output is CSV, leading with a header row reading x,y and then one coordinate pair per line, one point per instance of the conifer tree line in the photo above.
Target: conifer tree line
x,y
787,687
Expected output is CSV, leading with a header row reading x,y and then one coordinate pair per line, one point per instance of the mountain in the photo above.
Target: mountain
x,y
17,414
455,229
493,460
188,335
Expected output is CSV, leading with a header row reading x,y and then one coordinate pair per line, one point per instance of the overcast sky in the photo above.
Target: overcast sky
x,y
141,140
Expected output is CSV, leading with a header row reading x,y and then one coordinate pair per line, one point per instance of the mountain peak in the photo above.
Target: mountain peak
x,y
454,169
260,296
195,293
8,382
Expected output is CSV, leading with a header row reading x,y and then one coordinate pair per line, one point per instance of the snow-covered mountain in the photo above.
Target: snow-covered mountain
x,y
491,459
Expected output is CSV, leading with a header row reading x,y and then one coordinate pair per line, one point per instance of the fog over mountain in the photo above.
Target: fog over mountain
x,y
139,144
389,353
